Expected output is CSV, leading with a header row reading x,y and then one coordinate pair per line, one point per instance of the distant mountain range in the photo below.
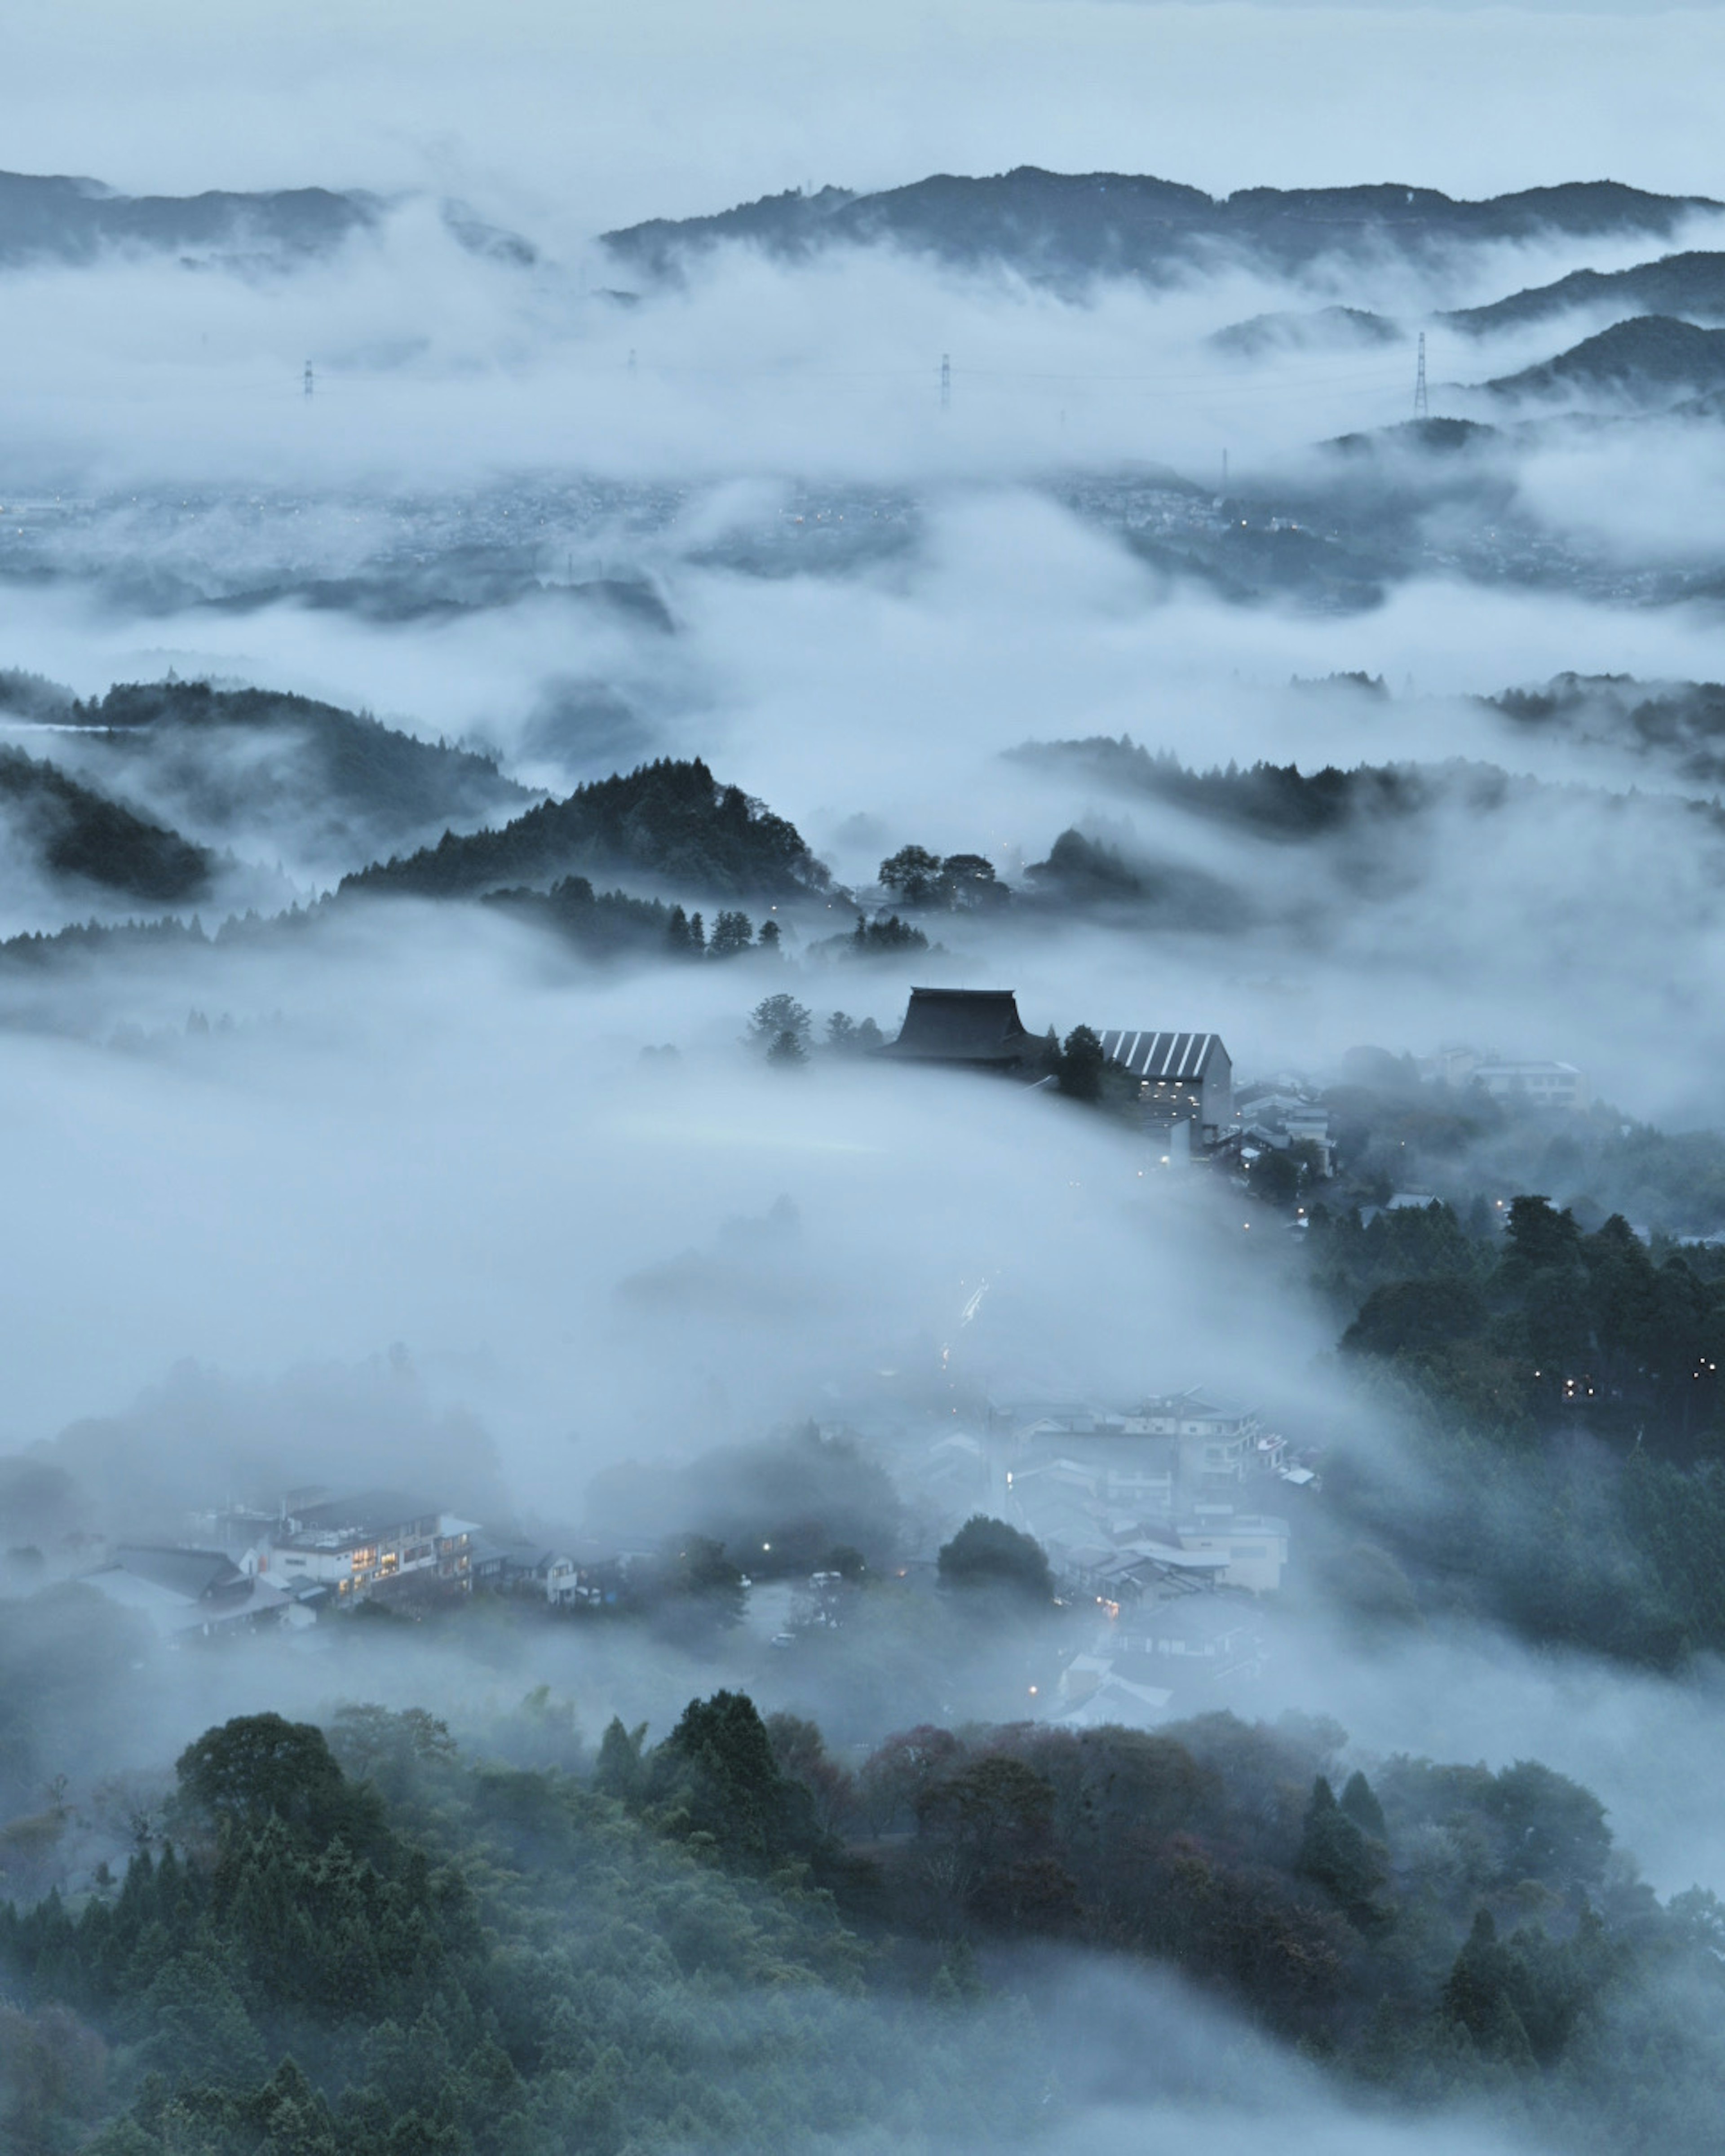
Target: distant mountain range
x,y
1063,228
1057,229
80,221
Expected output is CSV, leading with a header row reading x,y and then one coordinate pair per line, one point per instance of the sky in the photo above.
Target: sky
x,y
601,115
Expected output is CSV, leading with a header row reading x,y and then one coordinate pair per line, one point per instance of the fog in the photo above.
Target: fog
x,y
429,1183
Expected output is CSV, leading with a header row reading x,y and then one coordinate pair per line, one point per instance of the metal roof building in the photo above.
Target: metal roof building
x,y
1183,1077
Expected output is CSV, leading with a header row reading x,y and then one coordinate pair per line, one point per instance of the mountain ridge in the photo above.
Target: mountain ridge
x,y
1055,225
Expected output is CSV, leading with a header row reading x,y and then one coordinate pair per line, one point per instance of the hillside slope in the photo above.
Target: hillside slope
x,y
69,834
1649,359
672,818
259,769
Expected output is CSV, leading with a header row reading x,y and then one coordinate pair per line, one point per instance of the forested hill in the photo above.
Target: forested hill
x,y
1691,285
730,1941
1276,801
671,818
1060,226
68,833
1651,356
1681,723
263,769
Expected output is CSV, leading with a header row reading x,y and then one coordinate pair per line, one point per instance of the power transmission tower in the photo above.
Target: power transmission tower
x,y
308,377
1422,408
946,381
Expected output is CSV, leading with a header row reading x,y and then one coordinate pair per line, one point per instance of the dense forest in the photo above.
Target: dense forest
x,y
733,1940
69,831
1560,1394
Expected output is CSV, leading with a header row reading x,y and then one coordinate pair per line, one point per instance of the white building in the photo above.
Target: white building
x,y
1536,1085
357,1545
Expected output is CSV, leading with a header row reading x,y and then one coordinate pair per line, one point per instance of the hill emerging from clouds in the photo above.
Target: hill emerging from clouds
x,y
1649,359
1063,228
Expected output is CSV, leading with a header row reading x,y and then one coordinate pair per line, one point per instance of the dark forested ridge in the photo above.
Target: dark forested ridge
x,y
52,219
1691,285
670,817
250,761
1277,801
1060,226
69,832
731,1940
1682,723
1650,356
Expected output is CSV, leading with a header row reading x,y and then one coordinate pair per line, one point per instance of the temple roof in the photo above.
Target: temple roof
x,y
963,1025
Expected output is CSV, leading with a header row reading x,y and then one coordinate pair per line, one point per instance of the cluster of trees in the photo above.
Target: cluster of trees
x,y
959,883
783,1030
733,933
990,1556
1517,1328
732,1939
1275,800
1560,1391
611,924
879,938
670,817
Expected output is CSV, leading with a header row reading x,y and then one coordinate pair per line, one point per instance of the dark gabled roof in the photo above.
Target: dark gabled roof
x,y
1164,1055
963,1025
200,1575
364,1516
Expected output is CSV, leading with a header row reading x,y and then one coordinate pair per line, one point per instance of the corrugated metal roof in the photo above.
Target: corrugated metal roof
x,y
1161,1057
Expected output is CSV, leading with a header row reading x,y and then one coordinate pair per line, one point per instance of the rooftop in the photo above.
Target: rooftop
x,y
365,1517
963,1025
200,1575
1164,1057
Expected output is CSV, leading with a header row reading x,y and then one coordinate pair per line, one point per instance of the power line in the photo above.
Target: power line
x,y
1422,407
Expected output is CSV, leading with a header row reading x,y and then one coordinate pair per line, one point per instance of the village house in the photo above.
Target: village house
x,y
1280,1114
1214,1441
1213,1635
189,1594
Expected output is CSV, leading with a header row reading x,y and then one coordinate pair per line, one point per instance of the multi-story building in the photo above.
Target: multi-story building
x,y
1183,1078
358,1545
